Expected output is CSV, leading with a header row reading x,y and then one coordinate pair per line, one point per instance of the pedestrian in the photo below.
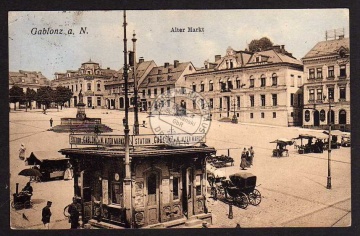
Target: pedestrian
x,y
74,214
22,152
51,122
68,175
248,158
46,214
252,154
243,160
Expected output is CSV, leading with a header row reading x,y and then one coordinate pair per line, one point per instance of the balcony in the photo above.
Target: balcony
x,y
319,78
225,90
342,99
342,77
330,78
89,93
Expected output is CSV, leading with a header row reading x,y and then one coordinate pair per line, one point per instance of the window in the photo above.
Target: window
x,y
251,100
72,88
198,186
331,72
168,90
307,115
319,73
149,92
89,86
251,83
211,85
262,115
311,73
343,71
223,86
238,101
116,193
311,95
251,115
292,114
220,103
149,80
202,86
274,99
274,114
162,90
319,94
143,92
237,83
202,103
229,82
194,87
231,64
299,81
322,115
274,79
299,98
98,101
155,91
292,80
263,81
98,86
342,93
331,93
211,103
190,67
168,103
76,87
194,105
176,188
227,64
292,99
159,72
158,79
182,90
169,77
262,100
80,86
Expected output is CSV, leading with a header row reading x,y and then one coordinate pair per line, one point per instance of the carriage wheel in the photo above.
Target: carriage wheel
x,y
18,206
221,192
66,213
28,204
213,193
12,204
242,200
255,197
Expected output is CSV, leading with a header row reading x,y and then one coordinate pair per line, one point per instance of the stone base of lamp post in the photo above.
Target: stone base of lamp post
x,y
234,119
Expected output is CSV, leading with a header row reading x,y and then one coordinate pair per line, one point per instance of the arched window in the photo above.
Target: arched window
x,y
307,115
211,85
238,83
274,79
342,117
322,115
194,86
202,86
252,82
88,86
263,80
229,82
98,86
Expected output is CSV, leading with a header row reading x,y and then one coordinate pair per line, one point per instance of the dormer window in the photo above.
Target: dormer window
x,y
159,72
68,75
258,59
88,72
190,67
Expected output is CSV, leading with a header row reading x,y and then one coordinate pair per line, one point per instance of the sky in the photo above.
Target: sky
x,y
298,30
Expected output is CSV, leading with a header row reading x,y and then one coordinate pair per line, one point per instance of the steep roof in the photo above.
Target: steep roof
x,y
326,48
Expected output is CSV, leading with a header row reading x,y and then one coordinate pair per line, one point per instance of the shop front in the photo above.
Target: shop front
x,y
167,185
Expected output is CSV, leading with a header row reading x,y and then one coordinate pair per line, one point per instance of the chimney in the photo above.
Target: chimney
x,y
108,68
141,59
276,48
217,57
176,63
166,64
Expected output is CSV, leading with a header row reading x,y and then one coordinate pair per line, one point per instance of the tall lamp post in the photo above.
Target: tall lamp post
x,y
328,185
136,109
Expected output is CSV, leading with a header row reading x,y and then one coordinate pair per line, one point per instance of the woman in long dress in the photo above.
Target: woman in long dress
x,y
243,163
22,152
68,175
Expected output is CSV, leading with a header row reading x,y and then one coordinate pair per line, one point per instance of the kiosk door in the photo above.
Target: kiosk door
x,y
86,194
189,179
153,197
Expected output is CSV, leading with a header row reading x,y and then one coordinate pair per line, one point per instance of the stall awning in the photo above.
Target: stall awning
x,y
37,157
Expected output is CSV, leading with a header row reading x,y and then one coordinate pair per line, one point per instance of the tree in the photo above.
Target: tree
x,y
257,45
62,95
45,95
16,95
29,97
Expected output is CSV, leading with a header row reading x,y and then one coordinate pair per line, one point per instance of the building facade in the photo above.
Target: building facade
x,y
262,87
327,82
115,86
27,79
161,80
90,79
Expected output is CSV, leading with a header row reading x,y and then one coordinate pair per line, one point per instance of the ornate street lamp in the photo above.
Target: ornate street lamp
x,y
234,118
328,185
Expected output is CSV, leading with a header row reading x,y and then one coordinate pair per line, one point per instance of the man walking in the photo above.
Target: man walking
x,y
252,153
243,164
51,122
46,214
74,214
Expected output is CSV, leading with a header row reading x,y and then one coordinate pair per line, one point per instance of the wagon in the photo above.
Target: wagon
x,y
239,190
21,200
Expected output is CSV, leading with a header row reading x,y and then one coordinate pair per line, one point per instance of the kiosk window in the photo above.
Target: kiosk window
x,y
198,184
116,193
176,188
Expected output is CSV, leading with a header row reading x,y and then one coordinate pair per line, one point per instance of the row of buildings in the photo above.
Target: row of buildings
x,y
267,87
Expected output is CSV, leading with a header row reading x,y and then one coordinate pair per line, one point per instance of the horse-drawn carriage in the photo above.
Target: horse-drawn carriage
x,y
238,190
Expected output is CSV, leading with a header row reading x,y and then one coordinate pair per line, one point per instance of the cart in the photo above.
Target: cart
x,y
220,161
21,200
280,149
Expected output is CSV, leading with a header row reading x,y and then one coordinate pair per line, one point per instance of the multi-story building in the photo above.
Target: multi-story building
x,y
27,79
89,79
262,87
327,79
115,86
162,79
